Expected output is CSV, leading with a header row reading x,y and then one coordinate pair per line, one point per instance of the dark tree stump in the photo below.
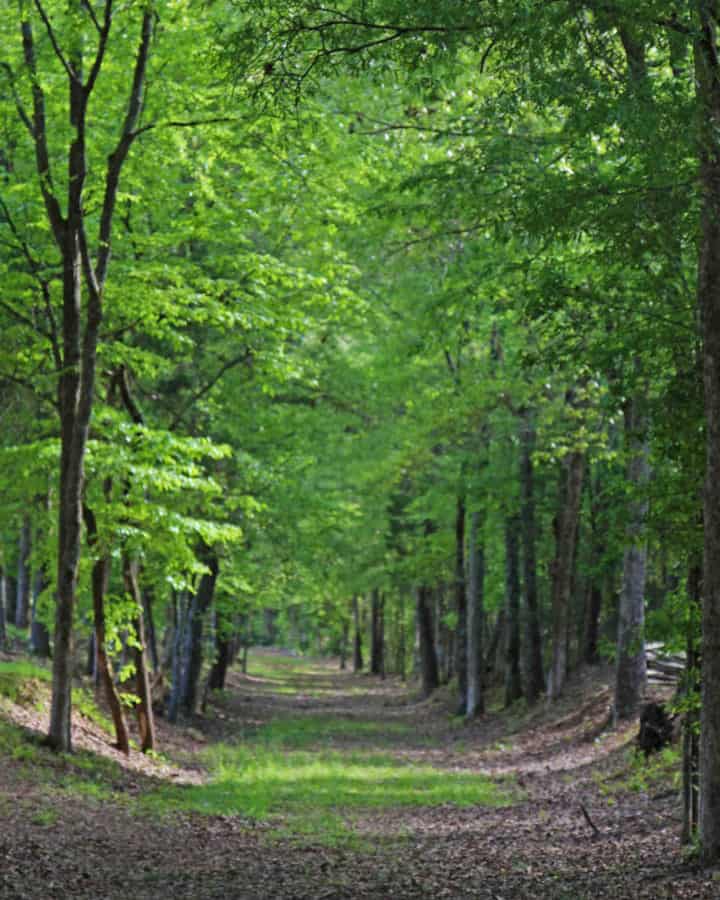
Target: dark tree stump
x,y
656,728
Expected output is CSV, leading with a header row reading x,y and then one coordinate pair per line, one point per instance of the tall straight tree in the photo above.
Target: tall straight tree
x,y
83,276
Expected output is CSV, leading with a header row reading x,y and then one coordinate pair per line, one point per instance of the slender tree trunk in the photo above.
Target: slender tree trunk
x,y
513,684
691,689
460,605
148,603
631,671
566,530
534,670
377,632
401,645
143,708
39,634
22,605
707,81
344,640
357,647
3,607
475,618
429,673
100,575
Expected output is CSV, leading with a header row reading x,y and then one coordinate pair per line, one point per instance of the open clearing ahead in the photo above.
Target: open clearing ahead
x,y
305,782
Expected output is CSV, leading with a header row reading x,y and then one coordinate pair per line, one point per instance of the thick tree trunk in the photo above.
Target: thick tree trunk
x,y
566,530
534,670
707,80
460,606
218,673
143,708
631,670
377,634
194,639
357,644
426,634
475,618
22,605
513,684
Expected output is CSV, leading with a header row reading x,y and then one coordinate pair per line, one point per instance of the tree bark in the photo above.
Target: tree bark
x,y
194,640
143,708
513,684
429,673
357,644
475,618
707,81
534,669
691,689
3,607
461,630
22,604
377,633
39,634
566,530
631,669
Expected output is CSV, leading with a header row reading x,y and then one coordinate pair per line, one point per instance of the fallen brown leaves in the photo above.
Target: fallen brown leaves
x,y
55,845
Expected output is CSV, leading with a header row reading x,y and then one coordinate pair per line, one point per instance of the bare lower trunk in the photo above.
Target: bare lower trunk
x,y
39,634
104,666
534,670
3,607
357,645
631,671
475,618
691,689
460,606
377,634
513,685
22,603
566,530
143,707
426,634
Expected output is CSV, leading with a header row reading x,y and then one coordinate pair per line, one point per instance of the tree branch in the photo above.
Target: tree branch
x,y
119,155
246,356
39,133
72,74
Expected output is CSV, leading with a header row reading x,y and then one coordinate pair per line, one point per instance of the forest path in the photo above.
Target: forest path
x,y
305,782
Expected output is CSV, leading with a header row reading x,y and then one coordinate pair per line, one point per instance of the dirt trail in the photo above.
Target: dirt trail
x,y
541,847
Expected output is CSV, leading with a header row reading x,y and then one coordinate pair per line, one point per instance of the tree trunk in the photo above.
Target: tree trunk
x,y
39,634
460,606
631,670
194,638
357,646
182,606
100,574
344,640
401,644
430,679
534,669
707,81
218,673
148,597
22,604
377,633
3,607
513,684
143,708
691,690
566,530
475,618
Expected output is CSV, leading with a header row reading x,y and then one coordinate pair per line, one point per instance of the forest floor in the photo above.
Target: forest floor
x,y
301,781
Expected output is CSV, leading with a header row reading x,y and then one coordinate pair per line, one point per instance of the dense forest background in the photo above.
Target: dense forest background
x,y
384,330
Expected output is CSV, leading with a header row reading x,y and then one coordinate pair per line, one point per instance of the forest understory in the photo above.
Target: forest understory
x,y
345,786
